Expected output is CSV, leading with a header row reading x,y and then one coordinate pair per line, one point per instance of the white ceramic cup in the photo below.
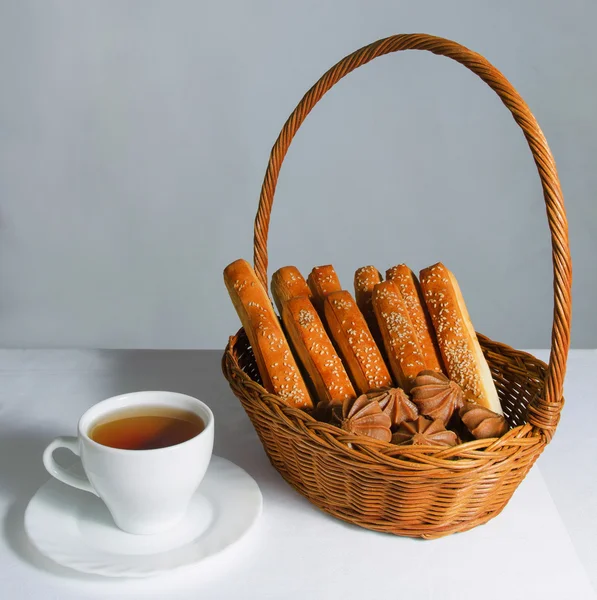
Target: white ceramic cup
x,y
146,491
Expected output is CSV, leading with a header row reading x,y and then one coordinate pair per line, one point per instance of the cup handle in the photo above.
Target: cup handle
x,y
55,470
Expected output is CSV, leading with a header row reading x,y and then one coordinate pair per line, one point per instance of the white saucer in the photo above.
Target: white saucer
x,y
75,529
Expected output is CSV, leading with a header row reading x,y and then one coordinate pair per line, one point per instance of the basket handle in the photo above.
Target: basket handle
x,y
543,412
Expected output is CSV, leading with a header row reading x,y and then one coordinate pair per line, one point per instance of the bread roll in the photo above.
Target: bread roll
x,y
409,287
400,338
315,351
356,344
365,279
288,283
322,281
277,367
456,337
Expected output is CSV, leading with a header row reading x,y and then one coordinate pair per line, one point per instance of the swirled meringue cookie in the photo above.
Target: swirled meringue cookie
x,y
436,396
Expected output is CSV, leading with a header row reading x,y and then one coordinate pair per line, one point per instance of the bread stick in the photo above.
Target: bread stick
x,y
278,369
315,351
322,281
400,339
356,344
409,287
365,279
288,283
456,337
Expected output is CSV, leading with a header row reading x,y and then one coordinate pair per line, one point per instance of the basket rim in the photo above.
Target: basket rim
x,y
372,452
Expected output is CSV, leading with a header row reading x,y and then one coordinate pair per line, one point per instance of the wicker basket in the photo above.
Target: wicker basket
x,y
416,491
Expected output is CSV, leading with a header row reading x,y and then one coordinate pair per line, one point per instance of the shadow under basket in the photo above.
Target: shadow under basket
x,y
416,491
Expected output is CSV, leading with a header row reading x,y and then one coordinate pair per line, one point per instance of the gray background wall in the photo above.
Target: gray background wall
x,y
134,137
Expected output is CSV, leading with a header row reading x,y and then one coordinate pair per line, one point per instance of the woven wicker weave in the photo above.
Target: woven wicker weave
x,y
416,491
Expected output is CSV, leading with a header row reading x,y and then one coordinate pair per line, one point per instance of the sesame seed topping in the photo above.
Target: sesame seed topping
x,y
305,318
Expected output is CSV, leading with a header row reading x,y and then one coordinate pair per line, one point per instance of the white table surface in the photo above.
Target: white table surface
x,y
43,392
